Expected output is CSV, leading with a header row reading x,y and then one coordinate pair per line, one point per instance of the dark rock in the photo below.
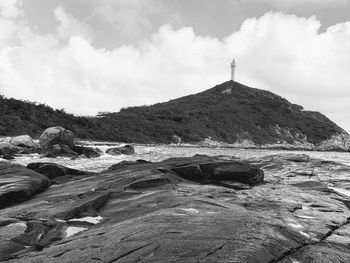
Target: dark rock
x,y
56,135
52,170
7,157
8,149
127,150
204,169
89,152
9,247
19,184
55,150
48,154
122,164
149,182
176,139
25,150
298,158
313,185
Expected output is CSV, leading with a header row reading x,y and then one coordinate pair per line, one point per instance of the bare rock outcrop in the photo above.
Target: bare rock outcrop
x,y
18,183
23,141
127,150
56,135
199,209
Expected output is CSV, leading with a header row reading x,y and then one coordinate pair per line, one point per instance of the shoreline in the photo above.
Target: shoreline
x,y
188,145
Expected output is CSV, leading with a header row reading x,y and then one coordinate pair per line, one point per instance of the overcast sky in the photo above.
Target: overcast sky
x,y
92,55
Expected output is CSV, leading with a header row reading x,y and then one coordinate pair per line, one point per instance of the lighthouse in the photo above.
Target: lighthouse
x,y
233,68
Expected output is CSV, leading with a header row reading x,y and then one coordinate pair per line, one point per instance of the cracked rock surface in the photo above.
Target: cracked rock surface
x,y
282,208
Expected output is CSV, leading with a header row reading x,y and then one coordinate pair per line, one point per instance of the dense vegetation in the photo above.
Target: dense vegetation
x,y
227,112
21,117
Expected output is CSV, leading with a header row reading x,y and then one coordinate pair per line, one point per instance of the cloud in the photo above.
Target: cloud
x,y
10,9
70,26
288,52
286,4
282,53
133,18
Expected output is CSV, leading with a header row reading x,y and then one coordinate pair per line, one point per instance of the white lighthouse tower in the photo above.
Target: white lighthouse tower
x,y
233,68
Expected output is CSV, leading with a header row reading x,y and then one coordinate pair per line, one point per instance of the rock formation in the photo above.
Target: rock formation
x,y
282,208
23,141
54,142
56,135
18,184
127,150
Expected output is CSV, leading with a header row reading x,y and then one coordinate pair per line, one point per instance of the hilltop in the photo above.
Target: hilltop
x,y
229,112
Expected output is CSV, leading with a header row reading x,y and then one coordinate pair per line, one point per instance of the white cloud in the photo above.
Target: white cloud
x,y
289,53
69,26
283,53
10,9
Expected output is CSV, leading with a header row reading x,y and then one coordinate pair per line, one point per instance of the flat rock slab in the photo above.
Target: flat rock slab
x,y
18,183
204,212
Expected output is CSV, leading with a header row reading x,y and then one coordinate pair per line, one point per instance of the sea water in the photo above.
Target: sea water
x,y
156,153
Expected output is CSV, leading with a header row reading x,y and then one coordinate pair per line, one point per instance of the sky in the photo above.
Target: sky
x,y
87,56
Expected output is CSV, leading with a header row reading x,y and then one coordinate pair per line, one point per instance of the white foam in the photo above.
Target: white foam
x,y
191,210
297,226
89,219
72,230
341,191
304,234
305,217
22,224
18,225
155,153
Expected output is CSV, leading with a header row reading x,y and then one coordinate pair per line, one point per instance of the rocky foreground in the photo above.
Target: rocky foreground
x,y
285,208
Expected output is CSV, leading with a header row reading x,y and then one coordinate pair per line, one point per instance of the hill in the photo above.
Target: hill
x,y
229,112
22,117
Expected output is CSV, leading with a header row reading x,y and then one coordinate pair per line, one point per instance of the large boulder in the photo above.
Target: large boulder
x,y
18,183
56,135
23,141
127,150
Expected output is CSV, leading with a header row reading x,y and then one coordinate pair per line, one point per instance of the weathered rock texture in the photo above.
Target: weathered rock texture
x,y
18,183
56,135
127,150
198,209
23,141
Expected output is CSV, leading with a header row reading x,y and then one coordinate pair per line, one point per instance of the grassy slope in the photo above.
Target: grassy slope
x,y
245,113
